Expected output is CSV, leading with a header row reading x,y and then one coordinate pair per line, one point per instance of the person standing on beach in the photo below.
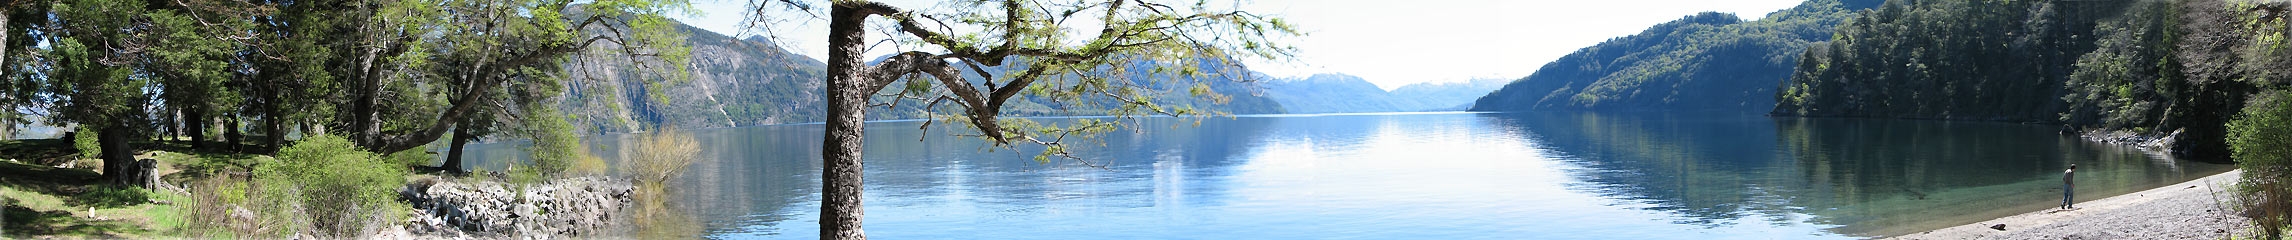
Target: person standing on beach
x,y
2069,187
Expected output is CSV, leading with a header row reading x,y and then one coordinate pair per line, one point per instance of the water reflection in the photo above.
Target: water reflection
x,y
1891,177
1864,177
1487,176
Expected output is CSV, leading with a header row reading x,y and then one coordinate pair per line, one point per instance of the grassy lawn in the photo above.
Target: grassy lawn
x,y
55,202
49,202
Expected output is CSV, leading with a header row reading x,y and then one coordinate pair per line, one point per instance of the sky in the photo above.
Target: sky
x,y
1389,43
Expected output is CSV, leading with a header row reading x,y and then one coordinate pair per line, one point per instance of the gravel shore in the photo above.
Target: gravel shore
x,y
2187,210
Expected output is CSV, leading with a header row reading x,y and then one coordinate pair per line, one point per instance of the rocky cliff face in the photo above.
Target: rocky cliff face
x,y
734,82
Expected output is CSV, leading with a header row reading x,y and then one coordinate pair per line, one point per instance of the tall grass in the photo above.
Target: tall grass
x,y
652,161
219,208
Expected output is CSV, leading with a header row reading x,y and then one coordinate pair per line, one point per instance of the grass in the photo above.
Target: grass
x,y
95,212
46,152
44,201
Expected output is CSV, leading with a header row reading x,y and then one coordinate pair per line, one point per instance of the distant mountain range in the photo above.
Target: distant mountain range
x,y
1340,93
748,82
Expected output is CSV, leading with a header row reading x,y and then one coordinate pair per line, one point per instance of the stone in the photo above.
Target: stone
x,y
1999,227
564,207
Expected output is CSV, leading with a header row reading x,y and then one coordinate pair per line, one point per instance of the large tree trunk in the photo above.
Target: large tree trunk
x,y
118,154
453,162
231,135
4,48
195,124
840,210
274,122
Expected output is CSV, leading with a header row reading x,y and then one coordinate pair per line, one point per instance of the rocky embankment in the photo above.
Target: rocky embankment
x,y
485,209
2155,143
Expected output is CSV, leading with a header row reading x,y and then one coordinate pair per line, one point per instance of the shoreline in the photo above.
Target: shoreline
x,y
2193,209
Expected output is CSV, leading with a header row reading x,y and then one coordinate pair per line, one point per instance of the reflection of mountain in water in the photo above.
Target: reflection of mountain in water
x,y
764,180
1894,177
1869,177
754,179
1402,175
1707,170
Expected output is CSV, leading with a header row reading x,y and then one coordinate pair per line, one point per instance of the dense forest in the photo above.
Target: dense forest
x,y
1974,60
2205,79
281,118
241,76
1710,61
2179,68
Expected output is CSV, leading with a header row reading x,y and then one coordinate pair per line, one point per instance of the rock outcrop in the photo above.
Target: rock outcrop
x,y
476,208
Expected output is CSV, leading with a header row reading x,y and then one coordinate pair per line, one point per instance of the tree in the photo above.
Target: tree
x,y
401,74
17,88
1046,60
397,73
93,76
414,69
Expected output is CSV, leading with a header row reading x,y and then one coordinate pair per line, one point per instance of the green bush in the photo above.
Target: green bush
x,y
340,189
555,145
411,157
2260,137
84,140
2262,144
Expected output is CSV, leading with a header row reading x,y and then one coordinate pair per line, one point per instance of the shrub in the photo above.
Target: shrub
x,y
84,140
652,160
555,145
339,189
2259,139
586,164
410,157
660,155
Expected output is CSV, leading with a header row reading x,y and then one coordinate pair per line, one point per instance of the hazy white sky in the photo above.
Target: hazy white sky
x,y
1391,43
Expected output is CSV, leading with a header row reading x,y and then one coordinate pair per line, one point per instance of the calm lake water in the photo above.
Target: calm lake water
x,y
1419,176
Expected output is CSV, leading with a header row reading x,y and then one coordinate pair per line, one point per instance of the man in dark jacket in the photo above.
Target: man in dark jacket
x,y
2069,187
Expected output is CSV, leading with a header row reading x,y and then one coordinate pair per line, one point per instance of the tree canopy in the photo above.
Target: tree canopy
x,y
391,75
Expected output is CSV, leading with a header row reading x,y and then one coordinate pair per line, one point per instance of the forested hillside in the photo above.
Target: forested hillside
x,y
1973,60
2158,68
1704,61
748,82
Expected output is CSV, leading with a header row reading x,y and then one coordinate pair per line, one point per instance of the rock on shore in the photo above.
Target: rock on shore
x,y
473,208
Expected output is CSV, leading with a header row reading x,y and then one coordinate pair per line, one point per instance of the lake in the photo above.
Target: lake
x,y
1419,176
